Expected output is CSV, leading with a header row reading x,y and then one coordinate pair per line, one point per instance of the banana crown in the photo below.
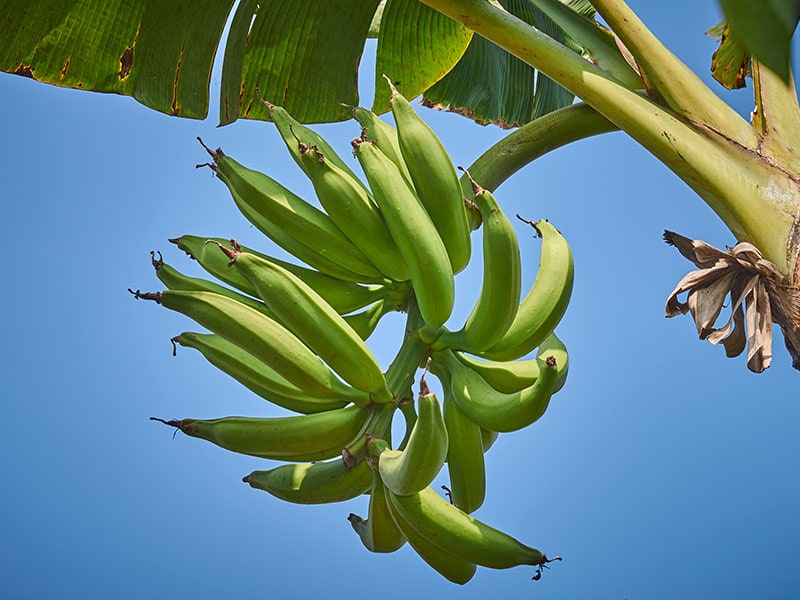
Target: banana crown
x,y
294,332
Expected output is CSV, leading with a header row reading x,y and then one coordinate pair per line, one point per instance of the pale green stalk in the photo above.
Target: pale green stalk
x,y
678,85
757,199
521,146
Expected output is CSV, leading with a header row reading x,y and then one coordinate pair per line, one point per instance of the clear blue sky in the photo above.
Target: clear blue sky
x,y
662,470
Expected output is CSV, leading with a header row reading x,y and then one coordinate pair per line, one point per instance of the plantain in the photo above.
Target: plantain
x,y
297,438
514,375
314,321
435,179
291,222
545,303
450,566
254,374
465,464
489,408
414,467
313,483
350,206
175,280
264,338
293,131
499,297
384,136
378,532
415,234
365,322
344,296
488,438
453,531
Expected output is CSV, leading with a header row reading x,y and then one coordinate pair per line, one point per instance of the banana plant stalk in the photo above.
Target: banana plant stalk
x,y
747,172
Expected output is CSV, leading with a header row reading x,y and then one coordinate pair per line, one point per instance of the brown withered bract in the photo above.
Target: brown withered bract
x,y
759,297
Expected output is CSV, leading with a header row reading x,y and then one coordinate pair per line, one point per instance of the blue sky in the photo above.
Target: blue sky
x,y
661,470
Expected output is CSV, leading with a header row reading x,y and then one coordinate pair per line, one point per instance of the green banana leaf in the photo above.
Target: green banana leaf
x,y
304,54
158,52
491,86
764,30
730,64
301,54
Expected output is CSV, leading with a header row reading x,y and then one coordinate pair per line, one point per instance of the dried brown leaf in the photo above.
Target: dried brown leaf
x,y
706,303
758,295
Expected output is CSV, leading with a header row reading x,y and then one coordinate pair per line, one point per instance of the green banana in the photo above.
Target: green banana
x,y
351,207
465,463
297,438
263,337
435,179
314,483
489,438
254,374
499,297
378,532
409,470
384,136
448,565
514,375
486,406
453,531
365,322
306,314
415,234
344,296
175,280
291,222
542,308
292,131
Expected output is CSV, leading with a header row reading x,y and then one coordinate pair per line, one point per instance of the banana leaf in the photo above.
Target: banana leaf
x,y
304,54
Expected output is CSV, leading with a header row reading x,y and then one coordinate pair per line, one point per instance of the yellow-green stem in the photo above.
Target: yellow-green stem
x,y
759,201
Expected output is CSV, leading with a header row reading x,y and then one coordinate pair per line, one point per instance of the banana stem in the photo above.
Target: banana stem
x,y
410,415
757,199
400,377
676,83
412,353
522,146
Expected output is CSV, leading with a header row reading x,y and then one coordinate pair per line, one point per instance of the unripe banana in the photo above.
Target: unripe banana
x,y
453,531
488,438
545,304
378,532
384,136
297,438
344,296
175,280
409,470
465,464
415,234
291,222
365,322
499,297
350,206
306,314
254,374
292,131
445,563
262,337
313,483
486,406
513,375
435,179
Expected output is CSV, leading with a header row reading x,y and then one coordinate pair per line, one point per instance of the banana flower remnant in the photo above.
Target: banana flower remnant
x,y
759,297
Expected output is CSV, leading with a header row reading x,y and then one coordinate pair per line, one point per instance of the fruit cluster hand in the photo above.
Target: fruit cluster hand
x,y
296,335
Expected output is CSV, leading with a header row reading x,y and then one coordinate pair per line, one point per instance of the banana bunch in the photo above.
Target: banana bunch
x,y
295,333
